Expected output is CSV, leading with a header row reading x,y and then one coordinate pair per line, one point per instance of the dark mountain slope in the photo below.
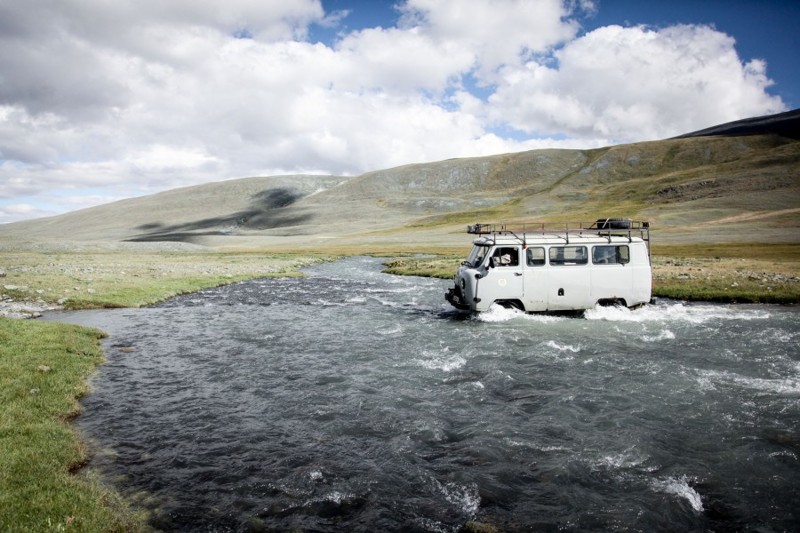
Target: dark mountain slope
x,y
784,124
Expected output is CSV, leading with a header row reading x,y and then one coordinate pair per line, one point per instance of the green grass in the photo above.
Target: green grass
x,y
434,267
43,371
91,280
781,253
722,291
153,291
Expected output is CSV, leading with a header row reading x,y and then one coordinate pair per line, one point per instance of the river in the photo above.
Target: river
x,y
352,400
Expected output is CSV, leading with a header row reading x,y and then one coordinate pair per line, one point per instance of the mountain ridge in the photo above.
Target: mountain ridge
x,y
744,170
785,124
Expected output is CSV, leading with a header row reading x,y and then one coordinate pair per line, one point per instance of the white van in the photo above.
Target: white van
x,y
540,269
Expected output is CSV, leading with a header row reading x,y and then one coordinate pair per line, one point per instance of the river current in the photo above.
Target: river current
x,y
352,400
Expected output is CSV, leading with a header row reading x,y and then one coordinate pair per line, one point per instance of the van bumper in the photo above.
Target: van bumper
x,y
456,299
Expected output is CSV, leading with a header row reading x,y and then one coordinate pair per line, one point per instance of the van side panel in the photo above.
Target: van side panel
x,y
568,287
536,279
536,283
612,283
642,275
612,275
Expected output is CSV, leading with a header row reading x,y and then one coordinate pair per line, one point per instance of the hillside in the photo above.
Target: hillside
x,y
783,124
732,183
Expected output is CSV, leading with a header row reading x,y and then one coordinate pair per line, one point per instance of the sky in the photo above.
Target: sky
x,y
104,100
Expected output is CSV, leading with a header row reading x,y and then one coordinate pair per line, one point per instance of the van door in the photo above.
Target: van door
x,y
535,275
569,278
503,281
612,277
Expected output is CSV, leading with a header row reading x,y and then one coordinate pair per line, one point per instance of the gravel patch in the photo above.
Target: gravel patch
x,y
25,309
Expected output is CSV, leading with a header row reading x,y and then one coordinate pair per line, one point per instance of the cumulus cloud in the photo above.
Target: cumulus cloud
x,y
495,32
103,100
635,83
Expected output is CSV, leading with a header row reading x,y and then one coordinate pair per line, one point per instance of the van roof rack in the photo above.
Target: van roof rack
x,y
604,227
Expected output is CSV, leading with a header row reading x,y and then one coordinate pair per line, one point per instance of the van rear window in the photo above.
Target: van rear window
x,y
611,255
568,255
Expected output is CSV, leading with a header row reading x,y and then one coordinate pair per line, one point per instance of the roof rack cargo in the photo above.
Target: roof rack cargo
x,y
605,227
613,223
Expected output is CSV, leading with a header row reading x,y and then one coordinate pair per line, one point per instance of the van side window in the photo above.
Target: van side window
x,y
535,256
568,255
505,257
611,255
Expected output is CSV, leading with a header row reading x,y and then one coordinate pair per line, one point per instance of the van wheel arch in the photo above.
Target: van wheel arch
x,y
612,302
511,304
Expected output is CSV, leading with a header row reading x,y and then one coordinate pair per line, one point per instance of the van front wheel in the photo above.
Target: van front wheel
x,y
511,304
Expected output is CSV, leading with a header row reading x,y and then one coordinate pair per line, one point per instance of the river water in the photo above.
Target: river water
x,y
352,400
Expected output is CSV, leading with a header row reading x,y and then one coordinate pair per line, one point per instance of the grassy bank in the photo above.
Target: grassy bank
x,y
88,280
43,370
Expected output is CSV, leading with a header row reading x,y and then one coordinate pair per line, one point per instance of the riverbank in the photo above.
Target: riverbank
x,y
35,281
44,368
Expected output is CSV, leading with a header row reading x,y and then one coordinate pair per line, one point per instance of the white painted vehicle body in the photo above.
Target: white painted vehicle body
x,y
554,272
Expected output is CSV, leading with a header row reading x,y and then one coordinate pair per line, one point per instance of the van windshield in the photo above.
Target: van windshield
x,y
477,255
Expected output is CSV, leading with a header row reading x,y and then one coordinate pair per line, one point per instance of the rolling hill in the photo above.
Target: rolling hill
x,y
737,182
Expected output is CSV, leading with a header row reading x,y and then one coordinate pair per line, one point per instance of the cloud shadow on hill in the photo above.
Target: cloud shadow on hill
x,y
268,211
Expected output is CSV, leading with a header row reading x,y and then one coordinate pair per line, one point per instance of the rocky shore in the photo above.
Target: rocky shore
x,y
25,309
11,307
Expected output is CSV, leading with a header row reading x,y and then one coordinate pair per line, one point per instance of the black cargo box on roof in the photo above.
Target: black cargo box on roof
x,y
613,223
